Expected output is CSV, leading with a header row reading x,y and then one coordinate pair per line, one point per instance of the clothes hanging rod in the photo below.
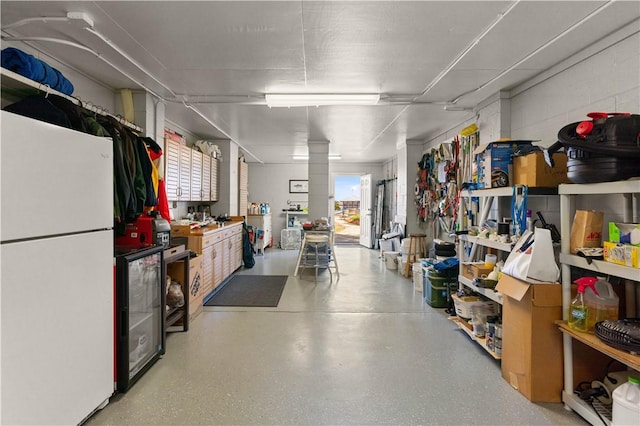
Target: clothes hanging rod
x,y
84,104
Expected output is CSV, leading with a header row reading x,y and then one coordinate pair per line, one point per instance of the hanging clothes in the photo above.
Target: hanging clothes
x,y
163,202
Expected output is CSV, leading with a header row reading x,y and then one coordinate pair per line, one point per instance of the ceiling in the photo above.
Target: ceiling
x,y
220,58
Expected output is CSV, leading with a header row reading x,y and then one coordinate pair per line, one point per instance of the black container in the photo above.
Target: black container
x,y
603,150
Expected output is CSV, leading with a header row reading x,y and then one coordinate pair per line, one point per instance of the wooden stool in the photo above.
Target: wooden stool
x,y
417,250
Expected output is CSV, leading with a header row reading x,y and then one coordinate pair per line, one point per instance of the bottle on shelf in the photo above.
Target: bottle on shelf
x,y
602,305
529,221
626,403
578,310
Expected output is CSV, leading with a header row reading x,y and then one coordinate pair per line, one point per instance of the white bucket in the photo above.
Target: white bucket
x,y
391,259
626,403
417,276
404,246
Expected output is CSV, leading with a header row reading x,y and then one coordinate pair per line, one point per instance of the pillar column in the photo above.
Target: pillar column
x,y
318,179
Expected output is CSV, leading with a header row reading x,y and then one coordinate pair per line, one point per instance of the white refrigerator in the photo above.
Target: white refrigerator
x,y
56,273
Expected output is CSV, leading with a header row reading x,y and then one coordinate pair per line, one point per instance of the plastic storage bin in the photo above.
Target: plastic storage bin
x,y
437,287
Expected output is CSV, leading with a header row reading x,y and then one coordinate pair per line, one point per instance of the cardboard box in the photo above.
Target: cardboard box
x,y
195,293
475,270
622,254
532,170
493,163
531,342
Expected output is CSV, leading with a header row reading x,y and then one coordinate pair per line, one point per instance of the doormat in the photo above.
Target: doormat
x,y
250,290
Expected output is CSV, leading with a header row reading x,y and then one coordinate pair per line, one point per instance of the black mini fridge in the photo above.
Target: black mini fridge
x,y
140,300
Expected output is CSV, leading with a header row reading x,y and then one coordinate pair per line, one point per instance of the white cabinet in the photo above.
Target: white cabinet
x,y
574,361
261,223
209,186
177,171
189,174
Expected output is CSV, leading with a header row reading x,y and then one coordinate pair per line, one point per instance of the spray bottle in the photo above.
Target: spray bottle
x,y
578,311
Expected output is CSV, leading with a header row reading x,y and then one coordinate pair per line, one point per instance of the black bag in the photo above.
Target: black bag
x,y
247,248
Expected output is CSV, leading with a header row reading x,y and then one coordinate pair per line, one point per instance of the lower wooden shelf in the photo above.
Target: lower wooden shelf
x,y
593,341
173,316
479,340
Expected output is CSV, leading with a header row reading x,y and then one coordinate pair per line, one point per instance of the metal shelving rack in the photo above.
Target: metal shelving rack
x,y
488,196
568,192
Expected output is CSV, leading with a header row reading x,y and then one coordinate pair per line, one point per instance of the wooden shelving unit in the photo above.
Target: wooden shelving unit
x,y
479,340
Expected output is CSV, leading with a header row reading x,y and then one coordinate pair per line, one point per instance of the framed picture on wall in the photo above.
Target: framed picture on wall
x,y
298,186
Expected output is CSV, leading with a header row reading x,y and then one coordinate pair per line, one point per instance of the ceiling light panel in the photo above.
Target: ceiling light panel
x,y
319,99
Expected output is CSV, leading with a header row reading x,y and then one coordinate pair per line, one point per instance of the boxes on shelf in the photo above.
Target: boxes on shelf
x,y
532,170
196,275
531,342
475,270
466,305
622,254
493,163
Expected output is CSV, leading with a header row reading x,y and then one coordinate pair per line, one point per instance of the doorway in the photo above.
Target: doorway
x,y
346,211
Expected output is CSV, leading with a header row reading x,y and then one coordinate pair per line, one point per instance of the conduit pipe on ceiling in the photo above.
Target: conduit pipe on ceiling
x,y
86,49
468,49
126,56
536,51
221,131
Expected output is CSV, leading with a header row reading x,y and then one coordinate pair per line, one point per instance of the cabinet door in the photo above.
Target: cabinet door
x,y
196,176
226,257
172,169
267,230
215,181
207,270
206,178
237,251
243,188
185,173
217,264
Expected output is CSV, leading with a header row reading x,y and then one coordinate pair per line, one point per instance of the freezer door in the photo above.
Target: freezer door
x,y
57,328
53,180
140,309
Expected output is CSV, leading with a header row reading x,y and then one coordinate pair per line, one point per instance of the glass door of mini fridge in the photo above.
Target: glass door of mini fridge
x,y
139,316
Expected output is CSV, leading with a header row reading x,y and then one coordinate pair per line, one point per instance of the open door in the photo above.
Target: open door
x,y
365,211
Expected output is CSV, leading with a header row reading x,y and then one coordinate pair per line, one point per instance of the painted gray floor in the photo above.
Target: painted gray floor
x,y
365,350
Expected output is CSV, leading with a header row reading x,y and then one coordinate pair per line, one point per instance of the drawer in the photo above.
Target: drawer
x,y
211,238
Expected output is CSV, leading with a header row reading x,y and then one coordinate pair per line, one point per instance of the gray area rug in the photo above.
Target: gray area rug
x,y
250,290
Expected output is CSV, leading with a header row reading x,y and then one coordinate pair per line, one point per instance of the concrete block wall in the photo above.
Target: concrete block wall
x,y
603,78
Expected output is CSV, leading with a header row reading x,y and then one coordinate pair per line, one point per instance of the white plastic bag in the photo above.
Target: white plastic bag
x,y
532,259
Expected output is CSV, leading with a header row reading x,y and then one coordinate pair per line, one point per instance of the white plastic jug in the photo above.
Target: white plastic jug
x,y
626,404
601,307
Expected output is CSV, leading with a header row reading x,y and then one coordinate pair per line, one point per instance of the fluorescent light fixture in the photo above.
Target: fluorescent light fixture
x,y
306,157
319,99
456,108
